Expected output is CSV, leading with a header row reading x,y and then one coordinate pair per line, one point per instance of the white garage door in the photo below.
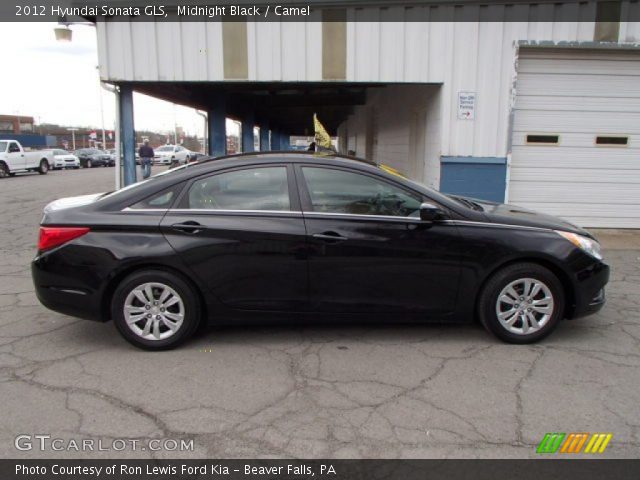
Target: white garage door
x,y
576,136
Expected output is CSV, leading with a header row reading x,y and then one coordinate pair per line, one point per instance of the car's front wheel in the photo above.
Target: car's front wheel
x,y
521,303
155,309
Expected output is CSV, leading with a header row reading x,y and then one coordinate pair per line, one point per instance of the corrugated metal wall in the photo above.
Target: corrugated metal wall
x,y
473,56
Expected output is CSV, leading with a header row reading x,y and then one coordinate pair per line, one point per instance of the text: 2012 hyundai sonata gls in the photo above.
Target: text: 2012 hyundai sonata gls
x,y
293,237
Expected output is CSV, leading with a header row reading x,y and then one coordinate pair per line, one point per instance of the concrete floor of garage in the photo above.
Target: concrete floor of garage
x,y
312,391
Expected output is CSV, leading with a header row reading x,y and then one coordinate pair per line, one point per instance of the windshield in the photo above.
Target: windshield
x,y
467,202
165,149
3,146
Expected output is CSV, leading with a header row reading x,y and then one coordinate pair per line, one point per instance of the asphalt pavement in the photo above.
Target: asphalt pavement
x,y
309,391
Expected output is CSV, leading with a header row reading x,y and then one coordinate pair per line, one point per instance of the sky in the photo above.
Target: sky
x,y
58,82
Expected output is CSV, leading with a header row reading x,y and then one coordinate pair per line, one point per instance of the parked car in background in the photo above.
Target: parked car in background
x,y
64,159
195,156
292,237
14,158
92,157
168,154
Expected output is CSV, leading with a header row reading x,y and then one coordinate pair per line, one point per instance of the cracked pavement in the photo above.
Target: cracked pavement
x,y
429,391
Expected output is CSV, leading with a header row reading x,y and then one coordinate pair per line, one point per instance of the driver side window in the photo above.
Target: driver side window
x,y
340,191
13,148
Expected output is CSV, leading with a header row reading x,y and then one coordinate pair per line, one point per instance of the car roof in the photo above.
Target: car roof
x,y
290,155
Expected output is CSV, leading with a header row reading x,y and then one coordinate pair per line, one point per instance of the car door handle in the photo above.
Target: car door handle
x,y
330,237
187,227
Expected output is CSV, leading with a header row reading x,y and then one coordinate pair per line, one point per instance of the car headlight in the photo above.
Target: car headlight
x,y
585,244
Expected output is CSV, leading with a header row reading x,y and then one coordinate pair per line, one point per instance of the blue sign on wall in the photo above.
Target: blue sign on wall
x,y
477,177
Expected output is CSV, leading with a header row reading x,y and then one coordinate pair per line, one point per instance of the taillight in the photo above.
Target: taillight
x,y
54,236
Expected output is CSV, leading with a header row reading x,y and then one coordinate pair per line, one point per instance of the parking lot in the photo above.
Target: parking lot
x,y
309,391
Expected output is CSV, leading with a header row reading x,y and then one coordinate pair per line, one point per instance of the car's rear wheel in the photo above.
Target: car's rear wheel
x,y
521,303
43,168
155,309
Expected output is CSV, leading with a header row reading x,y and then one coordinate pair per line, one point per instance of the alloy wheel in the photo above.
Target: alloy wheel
x,y
524,306
154,311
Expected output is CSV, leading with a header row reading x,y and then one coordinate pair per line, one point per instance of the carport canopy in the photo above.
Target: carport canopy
x,y
285,106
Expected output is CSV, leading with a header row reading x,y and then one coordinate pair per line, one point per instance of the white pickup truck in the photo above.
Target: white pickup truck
x,y
14,158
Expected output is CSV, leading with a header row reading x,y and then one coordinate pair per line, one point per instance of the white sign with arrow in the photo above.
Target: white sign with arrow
x,y
466,105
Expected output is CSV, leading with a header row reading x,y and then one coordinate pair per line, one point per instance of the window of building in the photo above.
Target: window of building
x,y
607,21
617,140
26,127
543,139
6,127
341,191
264,188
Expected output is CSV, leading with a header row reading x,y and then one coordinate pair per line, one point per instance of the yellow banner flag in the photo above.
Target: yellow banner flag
x,y
322,138
391,170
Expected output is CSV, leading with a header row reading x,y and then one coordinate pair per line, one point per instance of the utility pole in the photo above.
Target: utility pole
x,y
73,137
104,136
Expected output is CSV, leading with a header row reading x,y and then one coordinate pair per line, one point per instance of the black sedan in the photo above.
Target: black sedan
x,y
275,237
92,157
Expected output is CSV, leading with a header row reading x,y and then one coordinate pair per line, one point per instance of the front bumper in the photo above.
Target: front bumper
x,y
590,290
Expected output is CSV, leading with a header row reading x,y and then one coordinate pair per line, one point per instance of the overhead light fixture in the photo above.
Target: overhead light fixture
x,y
63,34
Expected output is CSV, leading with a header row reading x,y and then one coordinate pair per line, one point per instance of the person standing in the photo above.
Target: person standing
x,y
146,156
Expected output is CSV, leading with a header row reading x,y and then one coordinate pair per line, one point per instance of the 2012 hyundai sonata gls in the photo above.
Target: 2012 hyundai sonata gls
x,y
294,237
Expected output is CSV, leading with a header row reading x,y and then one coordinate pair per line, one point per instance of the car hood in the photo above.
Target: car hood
x,y
70,202
515,215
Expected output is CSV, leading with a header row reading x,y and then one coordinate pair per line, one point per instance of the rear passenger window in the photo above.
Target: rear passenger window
x,y
263,188
161,200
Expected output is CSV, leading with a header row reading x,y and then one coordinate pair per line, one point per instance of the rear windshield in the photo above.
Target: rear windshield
x,y
144,182
3,146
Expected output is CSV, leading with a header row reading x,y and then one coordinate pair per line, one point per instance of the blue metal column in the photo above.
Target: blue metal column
x,y
248,122
217,124
264,136
275,140
127,134
284,142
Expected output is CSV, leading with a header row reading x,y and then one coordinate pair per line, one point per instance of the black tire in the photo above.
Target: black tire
x,y
192,310
4,170
488,299
43,168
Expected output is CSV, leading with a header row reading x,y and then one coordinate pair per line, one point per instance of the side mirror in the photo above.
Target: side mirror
x,y
431,213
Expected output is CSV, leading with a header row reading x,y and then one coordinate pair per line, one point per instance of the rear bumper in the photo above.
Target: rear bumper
x,y
67,297
590,290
